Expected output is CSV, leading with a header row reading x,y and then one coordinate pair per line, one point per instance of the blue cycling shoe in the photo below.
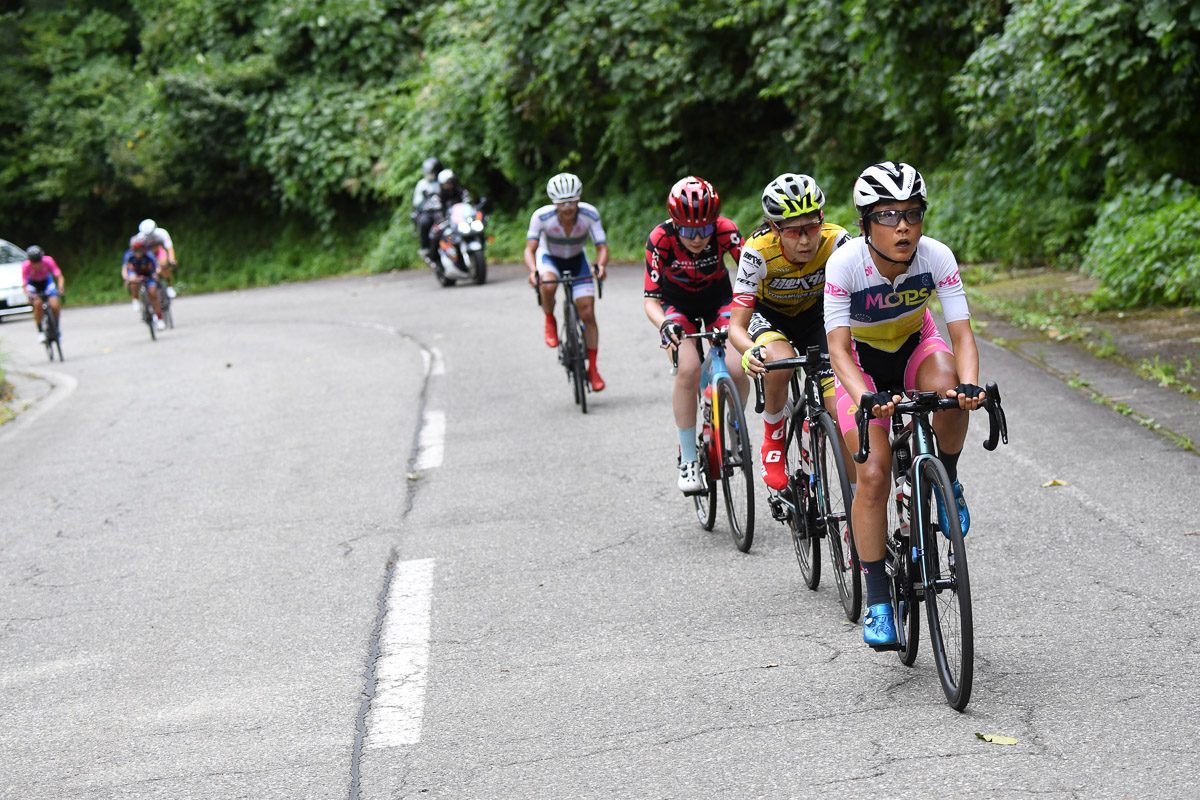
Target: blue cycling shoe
x,y
964,516
879,627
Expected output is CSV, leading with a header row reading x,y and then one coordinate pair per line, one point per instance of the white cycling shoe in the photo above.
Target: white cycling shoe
x,y
41,337
171,292
689,477
159,324
137,305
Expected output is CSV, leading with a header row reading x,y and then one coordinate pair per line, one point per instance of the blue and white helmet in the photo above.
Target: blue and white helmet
x,y
887,181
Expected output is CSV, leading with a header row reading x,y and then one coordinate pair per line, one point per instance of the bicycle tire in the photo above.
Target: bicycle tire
x,y
148,312
581,366
947,589
736,462
574,354
805,537
50,328
904,598
834,499
706,503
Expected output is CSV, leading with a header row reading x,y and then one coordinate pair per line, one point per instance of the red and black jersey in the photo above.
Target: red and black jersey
x,y
672,269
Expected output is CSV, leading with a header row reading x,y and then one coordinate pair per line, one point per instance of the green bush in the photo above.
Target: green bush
x,y
1145,246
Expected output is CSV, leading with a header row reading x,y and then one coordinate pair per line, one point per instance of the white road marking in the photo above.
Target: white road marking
x,y
432,444
434,363
399,703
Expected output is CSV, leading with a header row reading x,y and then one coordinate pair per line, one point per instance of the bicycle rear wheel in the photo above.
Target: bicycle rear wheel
x,y
803,521
947,588
834,498
737,477
580,359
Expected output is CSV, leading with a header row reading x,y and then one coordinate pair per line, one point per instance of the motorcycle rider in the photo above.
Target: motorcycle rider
x,y
426,208
450,191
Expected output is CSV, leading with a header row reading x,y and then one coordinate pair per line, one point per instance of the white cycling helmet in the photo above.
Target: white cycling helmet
x,y
887,181
147,227
446,176
564,188
791,195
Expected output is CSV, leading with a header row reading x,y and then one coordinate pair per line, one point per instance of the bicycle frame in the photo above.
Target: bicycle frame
x,y
712,369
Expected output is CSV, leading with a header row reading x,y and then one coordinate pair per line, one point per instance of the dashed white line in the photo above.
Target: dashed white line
x,y
400,672
431,446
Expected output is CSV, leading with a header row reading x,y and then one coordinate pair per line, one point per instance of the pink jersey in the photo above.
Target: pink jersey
x,y
39,271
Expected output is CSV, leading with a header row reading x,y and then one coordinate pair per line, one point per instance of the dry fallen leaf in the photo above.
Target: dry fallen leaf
x,y
992,738
1055,482
769,666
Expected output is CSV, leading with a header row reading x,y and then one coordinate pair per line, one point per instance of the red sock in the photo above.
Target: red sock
x,y
774,465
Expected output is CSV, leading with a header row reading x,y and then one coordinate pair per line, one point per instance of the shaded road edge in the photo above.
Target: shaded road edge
x,y
1165,411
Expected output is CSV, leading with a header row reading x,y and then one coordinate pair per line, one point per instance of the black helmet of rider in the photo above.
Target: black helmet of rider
x,y
431,167
35,253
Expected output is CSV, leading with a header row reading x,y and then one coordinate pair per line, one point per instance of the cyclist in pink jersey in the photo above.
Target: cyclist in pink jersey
x,y
686,278
40,275
882,339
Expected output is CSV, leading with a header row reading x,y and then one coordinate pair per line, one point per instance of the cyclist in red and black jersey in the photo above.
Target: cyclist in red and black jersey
x,y
686,279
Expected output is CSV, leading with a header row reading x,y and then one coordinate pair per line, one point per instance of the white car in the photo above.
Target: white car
x,y
12,293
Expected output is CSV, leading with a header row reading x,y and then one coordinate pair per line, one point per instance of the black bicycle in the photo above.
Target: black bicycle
x,y
148,308
50,327
572,349
722,440
926,563
816,503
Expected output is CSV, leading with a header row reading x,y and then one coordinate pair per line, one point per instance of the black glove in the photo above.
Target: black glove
x,y
880,399
669,327
969,390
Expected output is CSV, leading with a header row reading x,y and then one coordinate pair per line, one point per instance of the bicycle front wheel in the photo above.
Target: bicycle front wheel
x,y
706,502
737,475
50,328
803,522
947,588
834,498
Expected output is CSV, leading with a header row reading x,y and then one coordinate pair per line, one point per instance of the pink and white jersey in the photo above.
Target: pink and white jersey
x,y
548,231
883,313
40,271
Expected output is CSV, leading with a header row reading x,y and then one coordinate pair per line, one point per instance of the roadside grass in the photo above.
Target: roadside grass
x,y
1062,305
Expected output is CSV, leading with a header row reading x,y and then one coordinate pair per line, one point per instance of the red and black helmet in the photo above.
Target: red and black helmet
x,y
693,201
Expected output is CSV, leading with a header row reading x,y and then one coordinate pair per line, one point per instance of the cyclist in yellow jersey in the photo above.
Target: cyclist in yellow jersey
x,y
777,299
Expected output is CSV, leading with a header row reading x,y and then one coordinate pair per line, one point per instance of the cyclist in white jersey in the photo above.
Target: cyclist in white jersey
x,y
554,247
882,339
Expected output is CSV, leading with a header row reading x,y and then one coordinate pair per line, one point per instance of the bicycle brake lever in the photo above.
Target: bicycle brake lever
x,y
998,425
759,401
863,417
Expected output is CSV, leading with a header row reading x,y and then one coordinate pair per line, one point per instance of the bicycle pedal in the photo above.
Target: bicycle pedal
x,y
695,492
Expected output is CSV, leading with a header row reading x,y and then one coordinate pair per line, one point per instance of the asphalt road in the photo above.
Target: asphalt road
x,y
242,562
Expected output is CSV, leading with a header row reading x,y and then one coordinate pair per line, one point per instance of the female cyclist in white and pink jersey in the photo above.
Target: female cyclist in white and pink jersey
x,y
882,339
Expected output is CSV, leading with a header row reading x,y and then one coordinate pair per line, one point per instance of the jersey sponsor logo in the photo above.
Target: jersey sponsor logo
x,y
654,275
735,238
952,280
752,258
905,297
835,290
804,282
744,300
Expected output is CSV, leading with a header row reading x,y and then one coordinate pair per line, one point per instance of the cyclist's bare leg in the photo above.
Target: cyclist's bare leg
x,y
56,304
587,315
154,299
687,383
733,363
937,373
775,383
548,290
36,302
869,513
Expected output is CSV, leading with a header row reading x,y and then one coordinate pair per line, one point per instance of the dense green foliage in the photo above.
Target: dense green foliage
x,y
1144,248
1033,119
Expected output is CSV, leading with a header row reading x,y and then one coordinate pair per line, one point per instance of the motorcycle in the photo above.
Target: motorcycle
x,y
459,239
